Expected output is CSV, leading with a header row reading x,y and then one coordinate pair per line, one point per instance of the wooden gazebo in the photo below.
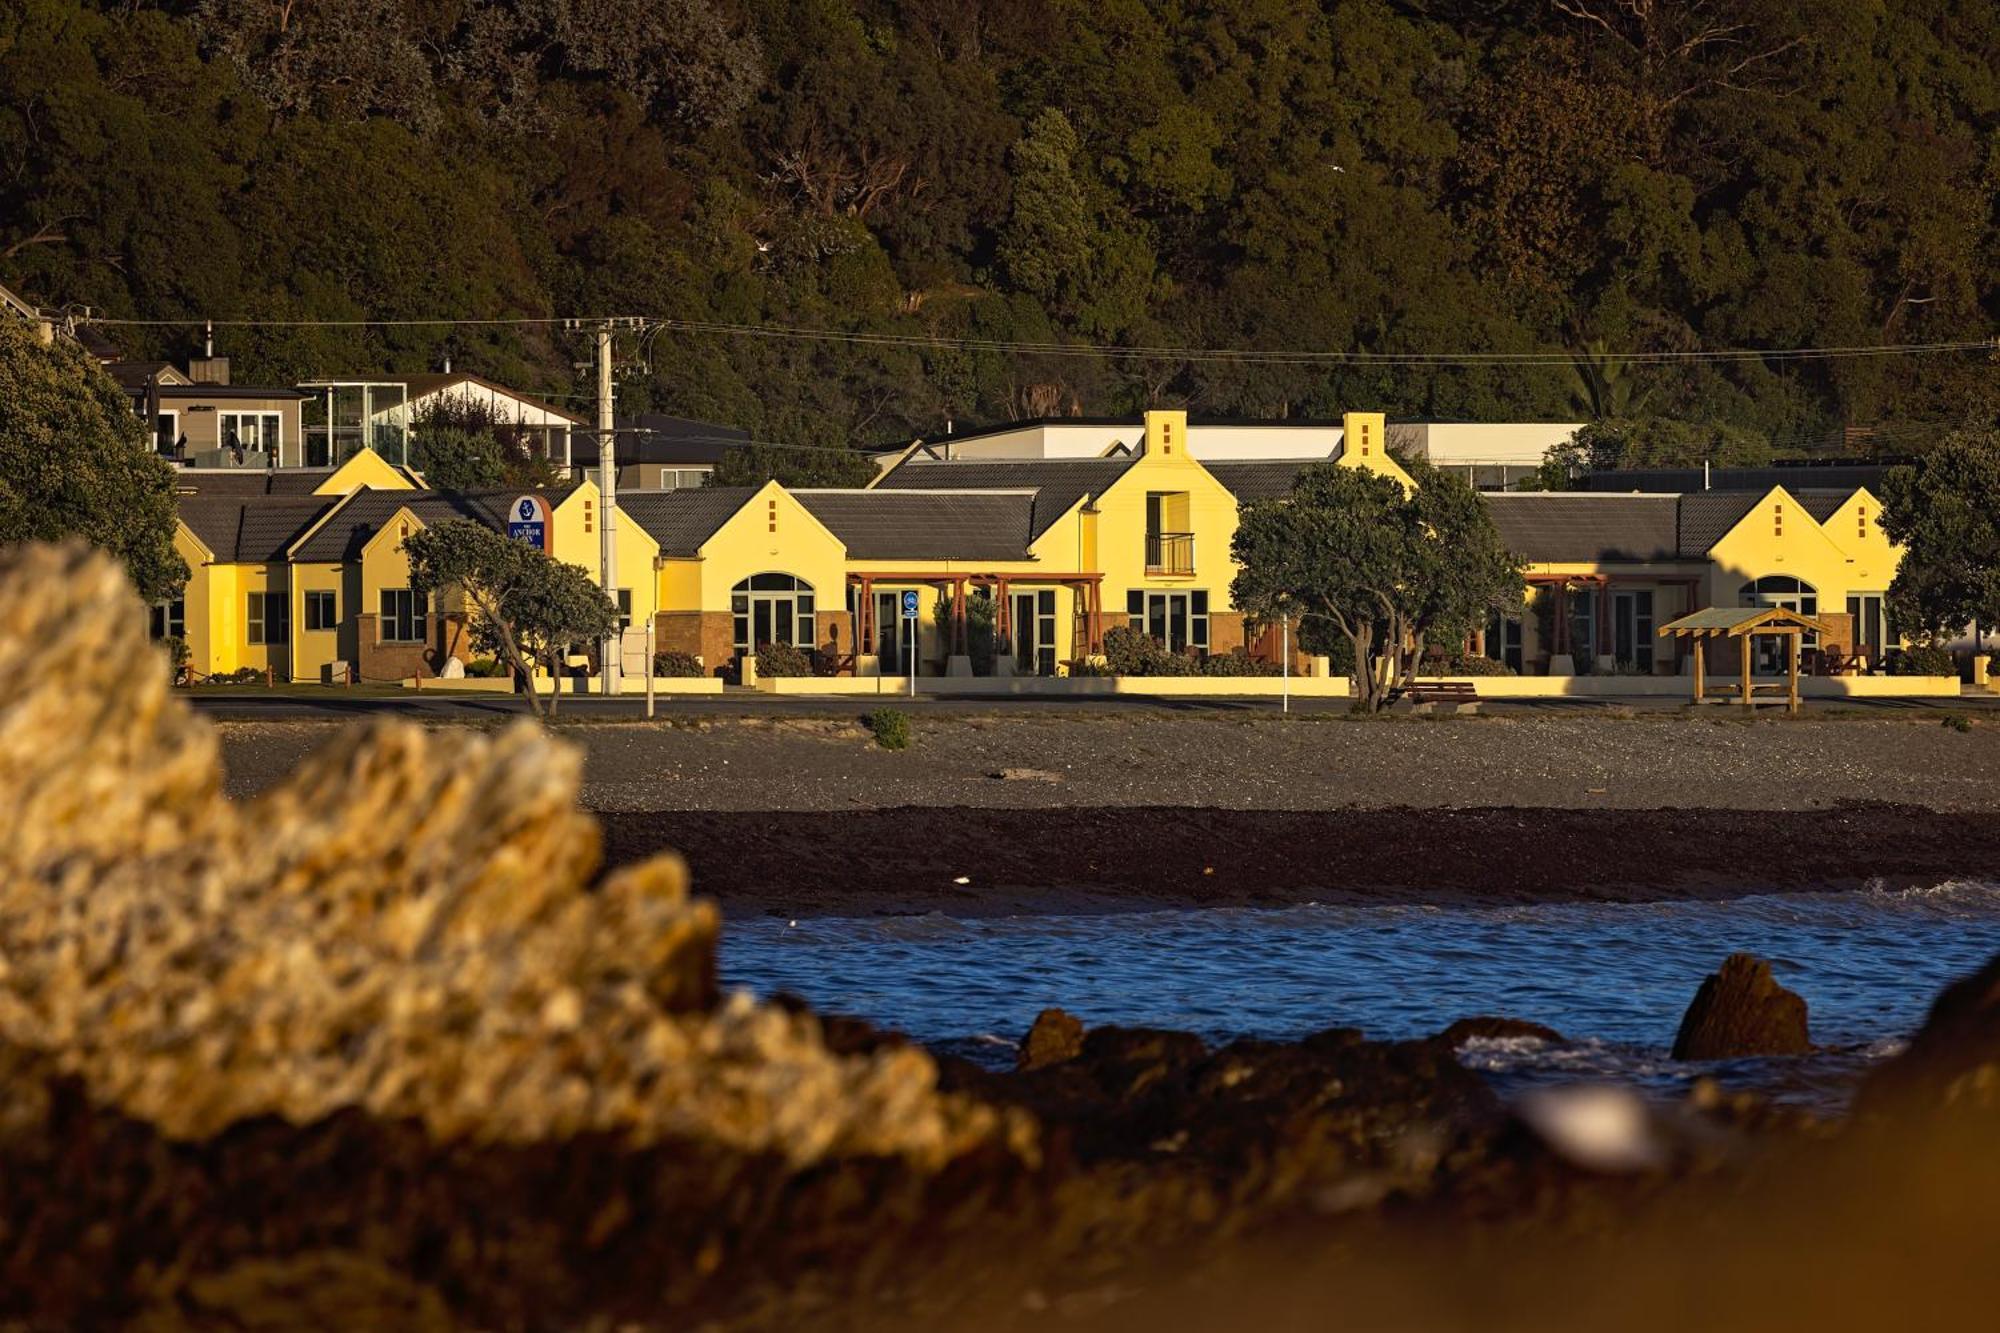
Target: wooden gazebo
x,y
1743,624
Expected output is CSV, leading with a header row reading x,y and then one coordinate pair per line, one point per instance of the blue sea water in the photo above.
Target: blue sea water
x,y
1613,978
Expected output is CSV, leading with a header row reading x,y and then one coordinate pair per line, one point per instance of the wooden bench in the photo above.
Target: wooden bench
x,y
1460,694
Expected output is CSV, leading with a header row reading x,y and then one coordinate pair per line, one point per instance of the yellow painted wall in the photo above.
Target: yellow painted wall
x,y
1857,529
577,540
312,650
1166,467
384,563
366,468
1778,536
197,598
679,585
773,533
1364,443
227,619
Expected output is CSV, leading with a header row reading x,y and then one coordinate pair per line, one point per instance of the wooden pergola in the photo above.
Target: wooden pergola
x,y
1743,624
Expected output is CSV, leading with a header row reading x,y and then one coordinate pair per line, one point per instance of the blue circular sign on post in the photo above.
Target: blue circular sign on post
x,y
910,604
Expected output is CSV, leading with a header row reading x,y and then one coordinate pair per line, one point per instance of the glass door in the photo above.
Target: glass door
x,y
1032,617
889,632
1870,626
1632,627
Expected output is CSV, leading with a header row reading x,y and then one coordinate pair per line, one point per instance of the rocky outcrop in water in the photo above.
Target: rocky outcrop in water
x,y
1954,1059
409,926
1741,1010
1054,1037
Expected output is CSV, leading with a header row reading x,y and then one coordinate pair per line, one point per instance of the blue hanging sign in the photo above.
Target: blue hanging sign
x,y
528,520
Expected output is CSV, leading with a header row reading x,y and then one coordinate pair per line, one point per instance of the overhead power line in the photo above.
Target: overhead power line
x,y
1117,352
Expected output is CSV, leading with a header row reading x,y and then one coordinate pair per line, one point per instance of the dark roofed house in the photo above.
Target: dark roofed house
x,y
682,520
341,538
1058,483
1566,527
1260,479
657,452
927,525
253,530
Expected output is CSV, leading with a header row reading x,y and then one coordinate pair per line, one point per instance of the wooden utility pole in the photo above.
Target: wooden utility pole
x,y
607,490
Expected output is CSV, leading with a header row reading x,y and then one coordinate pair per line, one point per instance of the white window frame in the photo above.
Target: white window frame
x,y
276,419
413,613
168,619
172,414
257,619
1196,603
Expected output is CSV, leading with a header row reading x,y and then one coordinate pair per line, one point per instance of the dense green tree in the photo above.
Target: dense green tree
x,y
1945,512
1370,571
532,609
458,446
1605,446
74,461
1594,177
755,464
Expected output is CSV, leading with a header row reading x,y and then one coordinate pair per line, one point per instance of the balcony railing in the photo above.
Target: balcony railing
x,y
1170,553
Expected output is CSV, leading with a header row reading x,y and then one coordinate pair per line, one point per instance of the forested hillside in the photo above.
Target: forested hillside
x,y
1365,175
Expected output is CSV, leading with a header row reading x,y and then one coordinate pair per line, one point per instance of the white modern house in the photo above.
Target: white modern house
x,y
1491,454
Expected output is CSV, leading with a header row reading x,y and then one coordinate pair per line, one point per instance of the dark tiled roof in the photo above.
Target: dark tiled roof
x,y
1844,477
652,437
343,535
681,520
1259,479
1707,516
1574,526
1058,482
251,481
252,530
926,525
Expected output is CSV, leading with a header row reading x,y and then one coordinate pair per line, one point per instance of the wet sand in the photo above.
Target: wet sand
x,y
870,862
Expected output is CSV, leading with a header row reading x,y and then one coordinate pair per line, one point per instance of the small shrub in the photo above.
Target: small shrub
x,y
891,727
683,666
1957,722
1238,663
1128,652
486,668
1131,652
240,676
782,659
1091,667
1922,660
1474,664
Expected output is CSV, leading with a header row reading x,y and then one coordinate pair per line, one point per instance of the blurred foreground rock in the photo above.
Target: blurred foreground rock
x,y
409,926
1741,1010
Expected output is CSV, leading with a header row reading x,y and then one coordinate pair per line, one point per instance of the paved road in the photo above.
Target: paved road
x,y
752,703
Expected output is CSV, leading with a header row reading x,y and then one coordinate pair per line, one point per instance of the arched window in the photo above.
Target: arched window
x,y
1781,590
1791,594
772,608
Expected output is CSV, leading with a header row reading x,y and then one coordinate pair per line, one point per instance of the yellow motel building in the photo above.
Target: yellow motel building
x,y
300,572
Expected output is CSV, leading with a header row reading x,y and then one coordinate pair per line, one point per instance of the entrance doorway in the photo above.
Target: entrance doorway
x,y
889,632
1770,651
1632,628
772,608
1032,616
